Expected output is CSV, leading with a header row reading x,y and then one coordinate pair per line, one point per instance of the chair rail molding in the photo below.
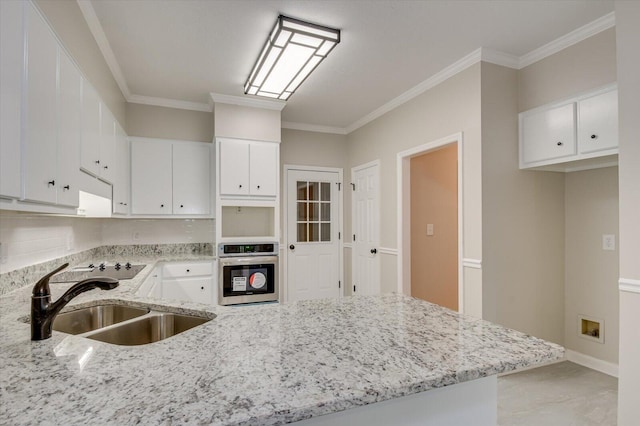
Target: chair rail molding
x,y
629,285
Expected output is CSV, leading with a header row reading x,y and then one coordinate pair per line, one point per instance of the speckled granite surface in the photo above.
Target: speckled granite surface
x,y
12,280
251,365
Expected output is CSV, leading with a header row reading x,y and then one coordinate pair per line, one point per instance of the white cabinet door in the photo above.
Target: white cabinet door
x,y
151,177
199,290
107,143
90,143
11,62
122,177
40,146
263,168
191,178
234,167
598,122
69,131
549,134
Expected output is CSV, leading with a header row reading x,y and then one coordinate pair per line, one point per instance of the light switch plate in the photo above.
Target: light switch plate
x,y
429,229
608,242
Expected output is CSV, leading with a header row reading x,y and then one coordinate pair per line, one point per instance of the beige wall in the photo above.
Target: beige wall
x,y
522,221
578,68
434,200
451,107
628,34
169,123
591,274
233,121
68,22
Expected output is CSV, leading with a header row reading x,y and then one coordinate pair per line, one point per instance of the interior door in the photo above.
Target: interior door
x,y
313,226
366,229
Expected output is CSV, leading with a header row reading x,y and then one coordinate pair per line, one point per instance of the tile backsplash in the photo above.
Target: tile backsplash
x,y
27,238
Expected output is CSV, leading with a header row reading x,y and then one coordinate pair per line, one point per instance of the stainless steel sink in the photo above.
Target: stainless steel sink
x,y
150,329
89,319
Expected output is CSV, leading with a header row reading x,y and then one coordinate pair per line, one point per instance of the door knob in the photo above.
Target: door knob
x,y
374,251
292,247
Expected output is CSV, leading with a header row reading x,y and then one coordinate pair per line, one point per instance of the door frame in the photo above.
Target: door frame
x,y
284,264
403,162
355,169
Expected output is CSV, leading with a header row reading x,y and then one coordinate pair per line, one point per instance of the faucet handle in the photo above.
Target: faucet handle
x,y
42,286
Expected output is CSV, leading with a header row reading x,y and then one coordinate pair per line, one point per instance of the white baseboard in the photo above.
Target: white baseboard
x,y
605,367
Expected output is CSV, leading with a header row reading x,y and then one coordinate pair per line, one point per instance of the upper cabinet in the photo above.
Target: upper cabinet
x,y
576,134
170,177
248,169
122,172
97,151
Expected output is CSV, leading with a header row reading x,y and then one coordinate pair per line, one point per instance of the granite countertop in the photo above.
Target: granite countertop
x,y
251,365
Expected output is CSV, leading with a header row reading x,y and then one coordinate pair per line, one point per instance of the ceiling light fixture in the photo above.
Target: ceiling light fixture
x,y
292,51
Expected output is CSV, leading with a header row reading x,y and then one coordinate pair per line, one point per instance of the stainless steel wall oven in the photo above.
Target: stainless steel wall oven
x,y
247,273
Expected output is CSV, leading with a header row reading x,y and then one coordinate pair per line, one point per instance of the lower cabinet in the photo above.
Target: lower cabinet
x,y
182,281
199,290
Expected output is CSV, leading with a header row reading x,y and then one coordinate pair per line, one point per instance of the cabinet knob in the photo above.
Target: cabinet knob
x,y
188,270
181,205
201,288
374,251
594,136
559,143
121,203
258,186
51,183
161,205
105,167
239,186
97,161
66,188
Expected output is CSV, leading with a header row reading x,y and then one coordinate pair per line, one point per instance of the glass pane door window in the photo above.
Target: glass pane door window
x,y
313,211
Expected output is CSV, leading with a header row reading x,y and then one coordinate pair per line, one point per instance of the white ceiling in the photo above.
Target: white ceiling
x,y
185,49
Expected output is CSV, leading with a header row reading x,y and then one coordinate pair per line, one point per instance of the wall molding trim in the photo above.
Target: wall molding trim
x,y
472,263
603,23
389,251
629,285
605,367
347,245
252,101
314,128
169,103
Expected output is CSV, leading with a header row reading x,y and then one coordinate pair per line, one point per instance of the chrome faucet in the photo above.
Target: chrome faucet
x,y
43,312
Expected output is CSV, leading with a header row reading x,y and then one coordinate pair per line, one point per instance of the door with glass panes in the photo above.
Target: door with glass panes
x,y
313,225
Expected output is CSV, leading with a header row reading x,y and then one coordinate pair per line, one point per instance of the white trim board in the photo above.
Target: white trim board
x,y
629,285
472,263
389,251
605,367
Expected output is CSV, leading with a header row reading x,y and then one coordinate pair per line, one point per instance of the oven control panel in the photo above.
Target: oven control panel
x,y
247,249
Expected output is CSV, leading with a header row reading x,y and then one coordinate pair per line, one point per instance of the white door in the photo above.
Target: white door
x,y
313,232
366,228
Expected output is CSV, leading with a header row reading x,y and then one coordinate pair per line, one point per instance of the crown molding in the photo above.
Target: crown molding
x,y
500,58
169,103
575,36
246,101
314,128
95,27
448,72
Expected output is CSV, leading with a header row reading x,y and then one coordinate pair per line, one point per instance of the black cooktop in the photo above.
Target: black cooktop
x,y
117,271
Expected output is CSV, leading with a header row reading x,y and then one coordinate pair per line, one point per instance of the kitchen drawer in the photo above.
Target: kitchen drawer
x,y
187,269
198,290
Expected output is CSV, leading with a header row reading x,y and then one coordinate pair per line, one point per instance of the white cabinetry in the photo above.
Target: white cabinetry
x,y
11,60
189,282
248,168
170,177
90,148
575,134
122,176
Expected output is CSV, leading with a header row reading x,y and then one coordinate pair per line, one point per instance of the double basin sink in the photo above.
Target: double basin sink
x,y
125,325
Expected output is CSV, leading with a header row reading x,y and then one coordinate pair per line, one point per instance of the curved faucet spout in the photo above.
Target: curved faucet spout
x,y
43,312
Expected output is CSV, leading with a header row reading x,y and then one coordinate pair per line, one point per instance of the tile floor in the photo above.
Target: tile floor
x,y
562,394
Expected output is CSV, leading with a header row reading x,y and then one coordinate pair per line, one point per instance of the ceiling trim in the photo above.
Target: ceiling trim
x,y
448,72
314,128
169,103
500,58
248,101
603,23
95,27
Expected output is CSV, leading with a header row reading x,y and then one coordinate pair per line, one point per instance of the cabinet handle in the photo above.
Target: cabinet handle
x,y
594,136
51,183
559,143
66,188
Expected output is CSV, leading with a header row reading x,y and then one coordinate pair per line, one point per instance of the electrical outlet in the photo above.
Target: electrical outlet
x,y
429,229
608,242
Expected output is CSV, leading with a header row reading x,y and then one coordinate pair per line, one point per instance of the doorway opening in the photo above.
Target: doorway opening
x,y
430,231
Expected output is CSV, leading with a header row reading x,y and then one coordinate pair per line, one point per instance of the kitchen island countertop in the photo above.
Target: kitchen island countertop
x,y
251,365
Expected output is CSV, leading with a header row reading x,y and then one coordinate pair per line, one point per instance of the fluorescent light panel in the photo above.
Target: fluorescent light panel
x,y
293,50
